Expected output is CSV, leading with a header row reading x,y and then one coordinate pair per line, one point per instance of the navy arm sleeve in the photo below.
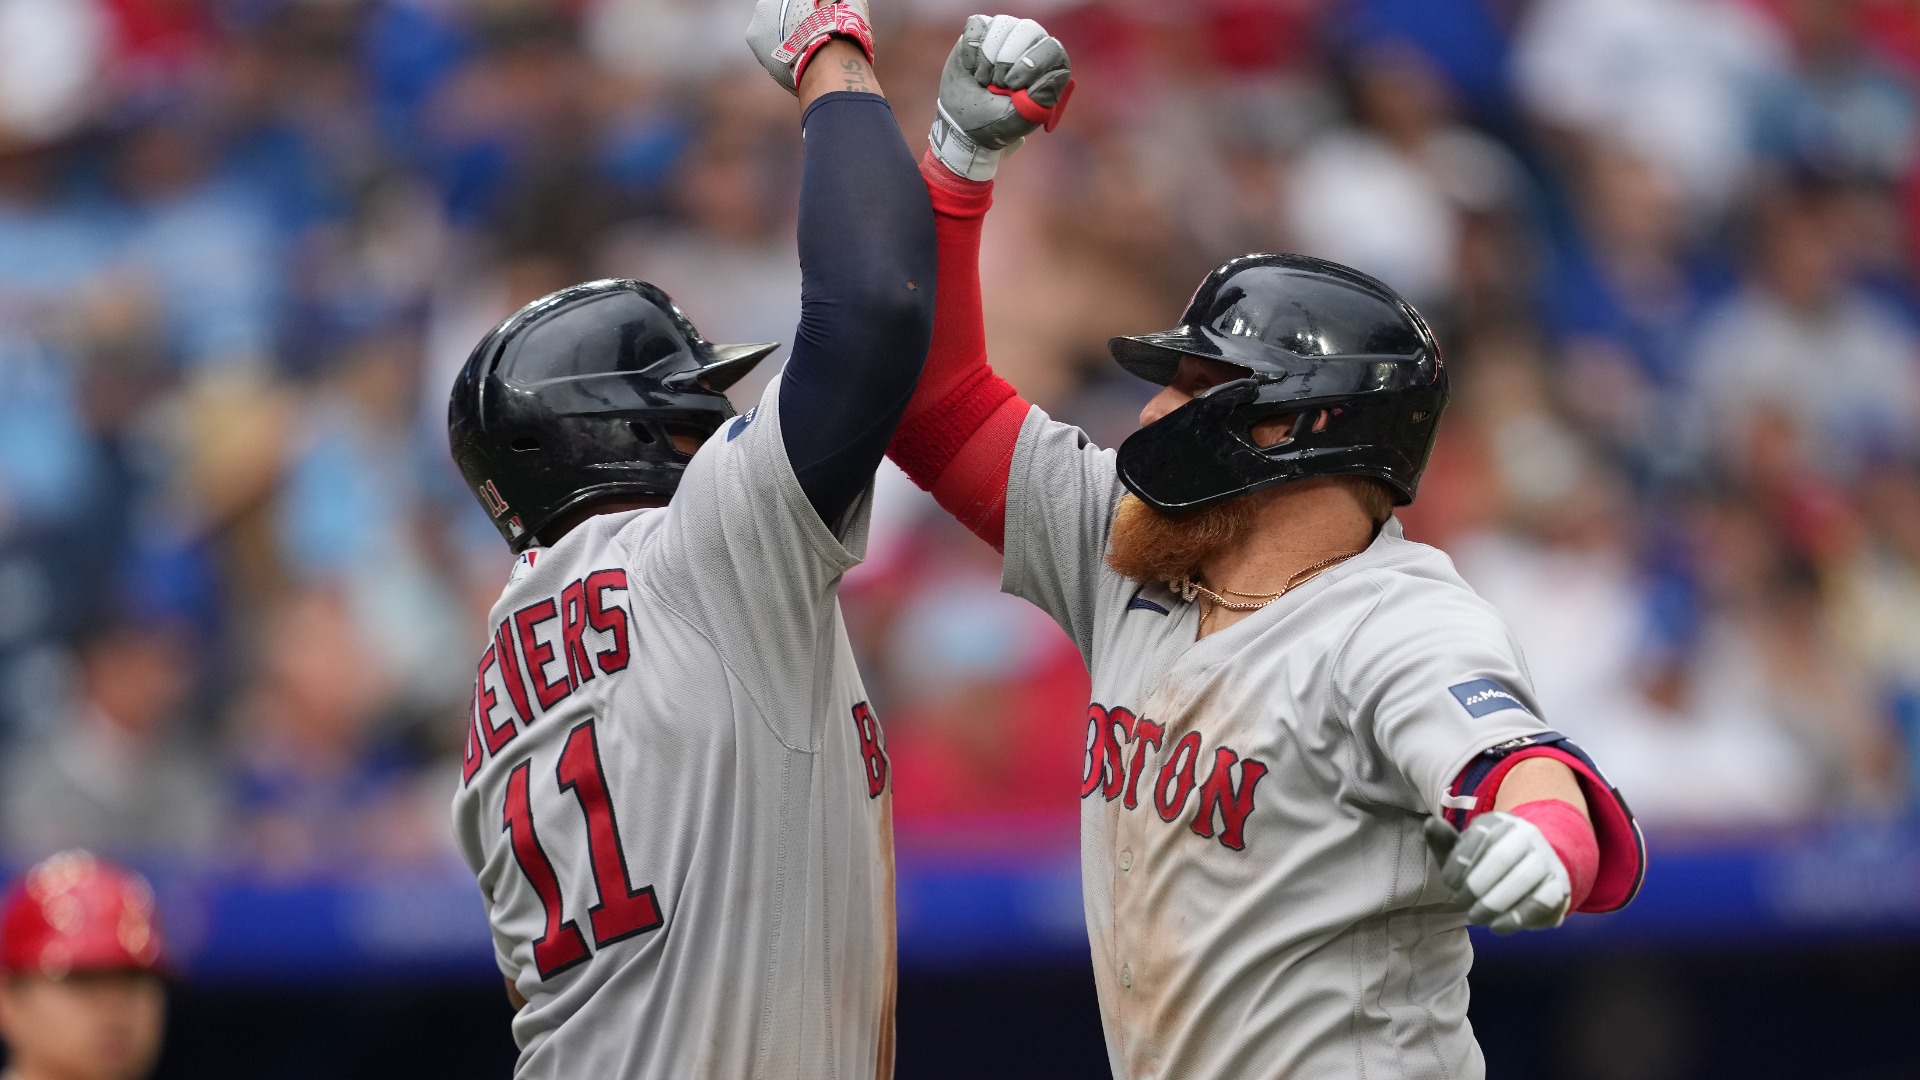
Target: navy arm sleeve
x,y
866,300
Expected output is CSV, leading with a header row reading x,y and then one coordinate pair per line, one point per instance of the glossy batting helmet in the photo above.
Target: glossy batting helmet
x,y
76,913
1312,335
575,397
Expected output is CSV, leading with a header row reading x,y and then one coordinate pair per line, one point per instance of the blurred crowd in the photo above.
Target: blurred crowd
x,y
1668,246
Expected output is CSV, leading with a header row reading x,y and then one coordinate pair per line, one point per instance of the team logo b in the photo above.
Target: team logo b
x,y
870,749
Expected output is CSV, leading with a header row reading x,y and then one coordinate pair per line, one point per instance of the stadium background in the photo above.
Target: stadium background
x,y
1668,246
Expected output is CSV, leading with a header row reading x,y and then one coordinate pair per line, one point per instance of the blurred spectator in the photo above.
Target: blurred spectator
x,y
1677,83
1845,111
1467,38
663,41
1621,297
347,517
119,771
1802,359
51,56
320,784
1689,727
202,243
1391,195
992,698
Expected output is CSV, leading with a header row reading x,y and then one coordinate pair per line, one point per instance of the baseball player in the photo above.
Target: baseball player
x,y
676,795
81,958
1292,702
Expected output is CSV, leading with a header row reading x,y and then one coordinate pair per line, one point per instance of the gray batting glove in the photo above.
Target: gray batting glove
x,y
784,34
1004,79
1504,871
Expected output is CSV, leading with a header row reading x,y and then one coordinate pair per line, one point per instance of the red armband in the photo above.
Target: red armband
x,y
1571,838
955,196
924,446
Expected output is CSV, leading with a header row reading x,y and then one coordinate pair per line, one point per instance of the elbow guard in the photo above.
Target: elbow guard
x,y
1623,850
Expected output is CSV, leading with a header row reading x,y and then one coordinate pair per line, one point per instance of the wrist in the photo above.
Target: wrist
x,y
954,195
1571,838
837,65
827,30
960,154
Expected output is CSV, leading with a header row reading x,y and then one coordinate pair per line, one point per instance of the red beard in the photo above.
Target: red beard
x,y
1149,546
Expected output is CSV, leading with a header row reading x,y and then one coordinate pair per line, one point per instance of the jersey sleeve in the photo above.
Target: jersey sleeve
x,y
1061,495
1432,678
743,556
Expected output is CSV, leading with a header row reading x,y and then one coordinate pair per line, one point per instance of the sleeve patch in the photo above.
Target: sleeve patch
x,y
740,424
1483,696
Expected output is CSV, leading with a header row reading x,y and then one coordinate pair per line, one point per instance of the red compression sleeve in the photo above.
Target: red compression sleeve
x,y
1567,831
957,437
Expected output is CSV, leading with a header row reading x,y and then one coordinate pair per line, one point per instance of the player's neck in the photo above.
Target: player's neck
x,y
567,522
1303,524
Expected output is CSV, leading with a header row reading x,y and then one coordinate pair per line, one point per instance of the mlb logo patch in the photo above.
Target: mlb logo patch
x,y
1483,696
523,565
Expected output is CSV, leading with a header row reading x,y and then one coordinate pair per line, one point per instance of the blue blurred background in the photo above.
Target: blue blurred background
x,y
1668,246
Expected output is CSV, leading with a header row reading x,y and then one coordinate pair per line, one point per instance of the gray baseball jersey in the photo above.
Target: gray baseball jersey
x,y
1260,901
675,795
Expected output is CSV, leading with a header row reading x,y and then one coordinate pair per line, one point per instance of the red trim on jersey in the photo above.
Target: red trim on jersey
x,y
1618,844
957,436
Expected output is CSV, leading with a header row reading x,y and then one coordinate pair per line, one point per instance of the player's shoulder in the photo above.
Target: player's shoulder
x,y
1412,593
1044,439
600,542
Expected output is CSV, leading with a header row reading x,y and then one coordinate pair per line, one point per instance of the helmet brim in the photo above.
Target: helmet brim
x,y
1156,357
729,364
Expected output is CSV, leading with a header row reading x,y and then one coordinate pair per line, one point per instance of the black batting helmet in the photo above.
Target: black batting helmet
x,y
1313,335
575,398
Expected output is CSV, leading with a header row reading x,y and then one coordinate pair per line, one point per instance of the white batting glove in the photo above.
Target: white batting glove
x,y
784,34
1004,79
1504,868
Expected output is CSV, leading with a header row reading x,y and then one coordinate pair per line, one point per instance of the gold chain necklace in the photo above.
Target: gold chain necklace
x,y
1189,588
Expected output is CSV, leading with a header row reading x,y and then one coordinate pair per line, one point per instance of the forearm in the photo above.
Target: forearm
x,y
1540,778
958,435
867,283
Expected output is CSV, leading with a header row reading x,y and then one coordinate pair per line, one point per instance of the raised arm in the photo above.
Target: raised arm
x,y
1004,79
866,255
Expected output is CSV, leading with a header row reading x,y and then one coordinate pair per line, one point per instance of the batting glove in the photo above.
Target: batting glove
x,y
1004,79
784,34
1504,868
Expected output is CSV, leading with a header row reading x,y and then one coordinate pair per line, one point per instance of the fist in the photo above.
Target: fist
x,y
1004,79
784,34
1503,871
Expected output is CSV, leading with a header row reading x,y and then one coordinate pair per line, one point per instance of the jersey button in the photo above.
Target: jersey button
x,y
1126,860
1126,976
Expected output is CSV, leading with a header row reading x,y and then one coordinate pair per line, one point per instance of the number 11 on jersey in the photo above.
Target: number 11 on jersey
x,y
620,911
